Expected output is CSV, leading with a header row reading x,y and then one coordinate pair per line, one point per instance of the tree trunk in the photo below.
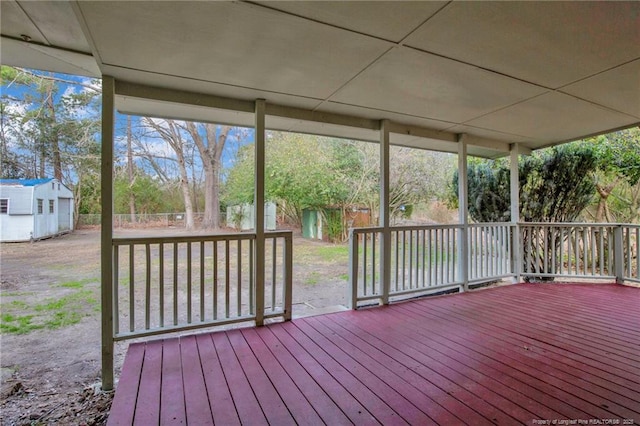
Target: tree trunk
x,y
186,192
55,142
210,148
603,214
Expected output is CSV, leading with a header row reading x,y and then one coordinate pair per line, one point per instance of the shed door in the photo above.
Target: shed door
x,y
64,214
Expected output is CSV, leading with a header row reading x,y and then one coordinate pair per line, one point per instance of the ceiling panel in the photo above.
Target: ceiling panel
x,y
618,88
376,114
390,20
489,134
231,43
412,82
57,21
546,43
554,117
15,22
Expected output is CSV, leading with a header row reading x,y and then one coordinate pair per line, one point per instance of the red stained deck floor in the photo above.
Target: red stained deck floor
x,y
510,355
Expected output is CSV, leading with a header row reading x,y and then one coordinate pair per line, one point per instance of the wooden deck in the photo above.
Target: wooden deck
x,y
511,355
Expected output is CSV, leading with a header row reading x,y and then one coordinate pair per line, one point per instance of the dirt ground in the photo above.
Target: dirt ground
x,y
50,341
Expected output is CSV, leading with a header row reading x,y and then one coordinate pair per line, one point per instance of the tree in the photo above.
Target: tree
x,y
303,171
555,186
149,196
210,141
170,132
49,127
618,177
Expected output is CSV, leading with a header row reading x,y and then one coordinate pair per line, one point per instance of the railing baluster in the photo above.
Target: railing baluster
x,y
202,297
273,275
627,250
451,249
396,266
578,251
215,280
410,259
252,290
132,285
239,290
227,280
116,290
424,258
147,288
585,250
637,245
373,262
430,248
175,283
161,282
365,238
189,283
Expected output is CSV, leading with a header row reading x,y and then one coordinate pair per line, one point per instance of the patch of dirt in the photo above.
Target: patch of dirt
x,y
51,375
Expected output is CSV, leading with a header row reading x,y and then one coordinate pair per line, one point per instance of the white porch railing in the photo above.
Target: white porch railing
x,y
426,259
163,285
580,250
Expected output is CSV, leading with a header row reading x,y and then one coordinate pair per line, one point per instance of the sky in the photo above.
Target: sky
x,y
69,85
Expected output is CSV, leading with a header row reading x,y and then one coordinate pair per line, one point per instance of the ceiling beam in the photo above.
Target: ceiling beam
x,y
135,90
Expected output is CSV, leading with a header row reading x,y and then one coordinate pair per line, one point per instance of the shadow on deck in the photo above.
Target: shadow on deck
x,y
507,355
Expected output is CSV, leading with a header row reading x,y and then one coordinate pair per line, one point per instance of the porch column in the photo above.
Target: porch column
x,y
258,204
463,213
385,247
515,212
106,231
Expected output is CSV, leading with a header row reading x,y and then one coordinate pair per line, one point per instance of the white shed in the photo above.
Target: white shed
x,y
31,209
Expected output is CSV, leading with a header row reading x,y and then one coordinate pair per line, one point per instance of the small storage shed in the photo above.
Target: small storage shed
x,y
333,223
32,209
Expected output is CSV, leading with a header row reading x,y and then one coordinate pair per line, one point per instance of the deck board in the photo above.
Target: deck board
x,y
506,355
172,406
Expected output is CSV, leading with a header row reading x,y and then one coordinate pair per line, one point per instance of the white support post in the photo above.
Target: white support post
x,y
463,213
259,208
106,231
385,249
515,212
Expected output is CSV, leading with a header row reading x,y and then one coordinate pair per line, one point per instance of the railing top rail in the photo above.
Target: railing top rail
x,y
479,224
121,241
428,226
278,234
404,228
573,224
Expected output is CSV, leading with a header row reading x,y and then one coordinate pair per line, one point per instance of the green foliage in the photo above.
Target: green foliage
x,y
314,172
555,185
333,253
148,194
76,283
618,178
334,224
19,317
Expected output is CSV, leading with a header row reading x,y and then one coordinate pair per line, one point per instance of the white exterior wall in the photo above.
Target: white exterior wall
x,y
29,223
15,228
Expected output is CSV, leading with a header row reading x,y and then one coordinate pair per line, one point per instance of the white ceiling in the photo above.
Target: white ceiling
x,y
535,73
